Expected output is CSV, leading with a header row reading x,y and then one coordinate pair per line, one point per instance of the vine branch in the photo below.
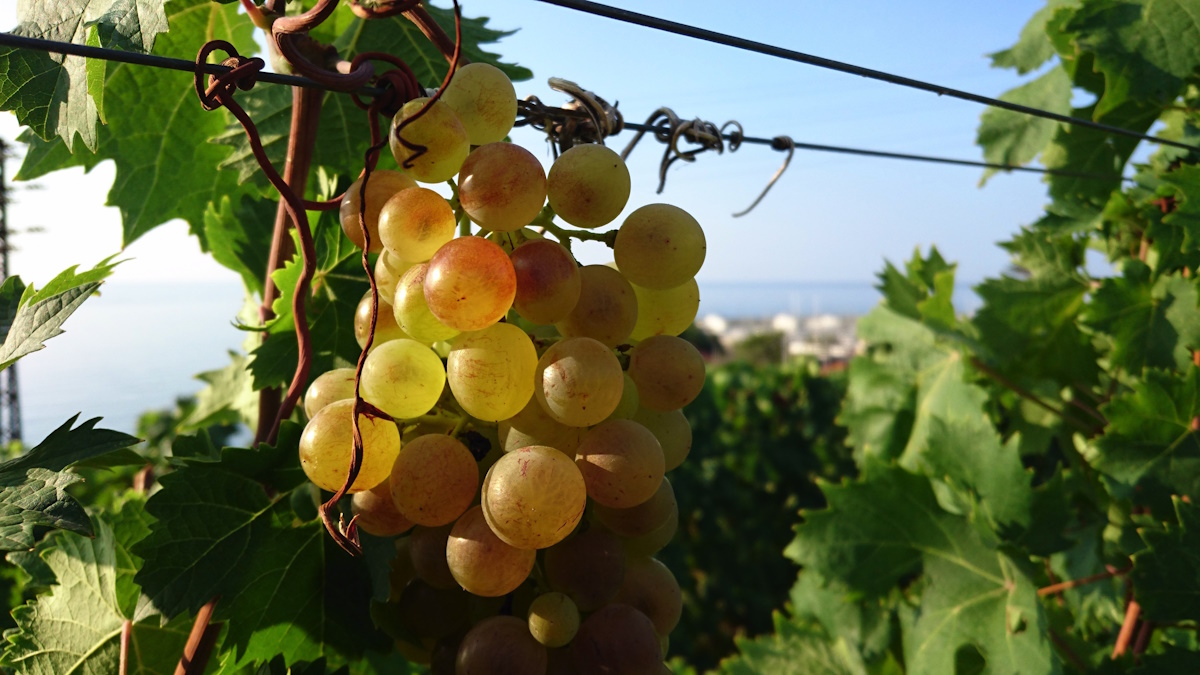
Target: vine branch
x,y
1061,586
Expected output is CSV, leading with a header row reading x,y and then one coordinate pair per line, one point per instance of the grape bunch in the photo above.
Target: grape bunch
x,y
534,403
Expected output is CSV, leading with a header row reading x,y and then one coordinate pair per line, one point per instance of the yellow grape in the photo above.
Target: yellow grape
x,y
533,426
376,512
654,541
640,520
617,639
427,612
411,311
427,546
434,480
330,386
588,186
415,223
666,312
388,271
607,309
650,588
579,382
470,284
548,281
439,131
328,443
380,187
386,328
673,431
622,463
484,100
500,645
628,406
502,186
481,562
669,372
491,371
533,497
659,246
403,378
553,619
588,567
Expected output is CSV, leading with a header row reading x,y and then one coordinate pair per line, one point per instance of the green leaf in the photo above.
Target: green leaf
x,y
1088,151
1015,139
1166,577
1146,324
1033,47
271,110
66,446
34,500
42,157
865,624
238,236
793,650
227,396
904,292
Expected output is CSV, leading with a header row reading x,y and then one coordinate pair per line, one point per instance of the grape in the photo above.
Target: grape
x,y
502,186
412,314
403,378
617,639
501,645
669,372
533,497
588,186
386,328
330,386
427,546
654,541
328,443
548,282
640,520
388,270
430,612
470,284
673,431
400,569
484,100
377,512
622,463
629,400
532,426
553,619
650,588
380,187
587,567
481,562
415,223
607,308
659,246
578,382
434,480
666,312
491,371
442,135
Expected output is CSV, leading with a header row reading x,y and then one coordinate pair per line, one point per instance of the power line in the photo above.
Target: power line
x,y
685,30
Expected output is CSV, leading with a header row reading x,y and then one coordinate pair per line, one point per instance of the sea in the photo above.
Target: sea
x,y
139,345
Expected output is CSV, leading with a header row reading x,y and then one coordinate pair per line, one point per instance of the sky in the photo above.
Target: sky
x,y
829,218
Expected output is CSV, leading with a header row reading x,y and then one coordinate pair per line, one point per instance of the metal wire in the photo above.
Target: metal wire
x,y
800,57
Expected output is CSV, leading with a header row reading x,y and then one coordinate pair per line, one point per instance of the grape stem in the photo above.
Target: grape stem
x,y
564,235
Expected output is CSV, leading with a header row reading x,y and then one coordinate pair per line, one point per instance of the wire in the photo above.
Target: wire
x,y
800,57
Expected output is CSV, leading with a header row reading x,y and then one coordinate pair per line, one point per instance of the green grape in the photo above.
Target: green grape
x,y
578,382
481,562
654,541
403,378
415,223
411,312
669,372
470,284
533,497
427,546
330,386
502,187
629,401
380,187
617,639
376,512
386,328
553,619
500,645
548,281
491,371
439,131
666,312
400,569
484,100
607,308
622,463
588,186
640,520
650,588
388,271
434,480
673,431
532,426
430,612
328,443
659,246
587,567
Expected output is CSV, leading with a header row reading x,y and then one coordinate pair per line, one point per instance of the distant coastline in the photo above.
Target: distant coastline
x,y
766,299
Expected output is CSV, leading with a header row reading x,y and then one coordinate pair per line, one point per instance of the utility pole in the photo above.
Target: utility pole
x,y
10,400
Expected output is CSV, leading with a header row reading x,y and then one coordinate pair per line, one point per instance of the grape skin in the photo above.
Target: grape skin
x,y
427,546
327,443
533,497
659,246
434,480
579,382
403,378
386,328
501,645
548,281
330,386
382,184
470,284
376,512
484,100
481,562
621,462
388,271
415,223
642,519
491,371
653,542
650,588
442,134
588,567
588,186
617,639
411,311
553,619
532,426
629,400
502,186
607,309
665,312
669,372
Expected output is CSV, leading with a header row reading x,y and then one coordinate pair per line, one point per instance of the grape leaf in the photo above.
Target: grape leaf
x,y
864,623
271,110
42,157
34,500
1146,324
1087,151
1166,577
1033,47
793,650
35,323
238,230
66,446
1183,184
228,395
1014,138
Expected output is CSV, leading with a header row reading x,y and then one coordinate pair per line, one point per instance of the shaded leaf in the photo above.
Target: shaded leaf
x,y
1166,577
238,232
1146,323
35,500
793,650
1015,139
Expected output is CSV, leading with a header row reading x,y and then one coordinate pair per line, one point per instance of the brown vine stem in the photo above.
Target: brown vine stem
x,y
123,663
195,658
1143,638
1132,611
1024,393
424,22
1067,651
1061,586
